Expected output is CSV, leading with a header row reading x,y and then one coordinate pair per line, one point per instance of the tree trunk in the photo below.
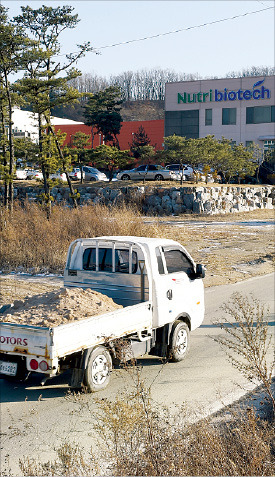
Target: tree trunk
x,y
44,171
64,166
5,161
181,169
11,146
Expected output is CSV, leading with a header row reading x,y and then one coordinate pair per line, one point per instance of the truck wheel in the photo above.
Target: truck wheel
x,y
98,370
180,341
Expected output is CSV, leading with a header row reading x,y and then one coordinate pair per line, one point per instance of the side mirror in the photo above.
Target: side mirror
x,y
200,271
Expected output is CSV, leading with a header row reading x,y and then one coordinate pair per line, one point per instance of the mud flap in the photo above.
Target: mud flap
x,y
77,377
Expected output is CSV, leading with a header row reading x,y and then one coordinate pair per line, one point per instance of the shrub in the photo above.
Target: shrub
x,y
246,341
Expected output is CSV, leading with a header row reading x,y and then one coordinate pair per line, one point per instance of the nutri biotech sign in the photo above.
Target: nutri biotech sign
x,y
257,92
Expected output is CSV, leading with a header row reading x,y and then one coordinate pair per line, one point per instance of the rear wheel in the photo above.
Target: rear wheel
x,y
125,177
180,341
159,177
93,179
98,370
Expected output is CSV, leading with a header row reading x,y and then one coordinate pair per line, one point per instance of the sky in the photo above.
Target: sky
x,y
211,50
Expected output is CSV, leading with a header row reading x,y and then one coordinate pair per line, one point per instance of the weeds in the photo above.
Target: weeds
x,y
142,438
69,462
137,437
246,341
30,241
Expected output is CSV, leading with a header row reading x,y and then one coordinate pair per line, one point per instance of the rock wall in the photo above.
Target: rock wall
x,y
166,201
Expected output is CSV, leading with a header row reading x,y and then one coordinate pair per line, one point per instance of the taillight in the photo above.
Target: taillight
x,y
33,364
43,365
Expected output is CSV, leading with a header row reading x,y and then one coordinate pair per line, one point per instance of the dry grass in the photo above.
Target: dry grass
x,y
69,462
137,438
246,341
30,241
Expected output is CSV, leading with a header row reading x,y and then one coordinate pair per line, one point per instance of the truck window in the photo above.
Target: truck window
x,y
176,261
105,260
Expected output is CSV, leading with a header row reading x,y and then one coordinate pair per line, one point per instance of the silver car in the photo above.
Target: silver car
x,y
93,174
75,174
187,170
34,174
148,172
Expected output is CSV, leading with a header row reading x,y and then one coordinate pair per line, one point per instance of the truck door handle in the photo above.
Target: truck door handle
x,y
169,294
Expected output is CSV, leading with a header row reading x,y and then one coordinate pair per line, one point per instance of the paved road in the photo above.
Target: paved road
x,y
34,419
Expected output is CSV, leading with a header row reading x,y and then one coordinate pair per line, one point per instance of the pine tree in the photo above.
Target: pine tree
x,y
139,140
13,51
103,112
46,81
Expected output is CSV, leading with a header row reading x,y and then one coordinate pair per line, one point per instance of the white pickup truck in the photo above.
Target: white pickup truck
x,y
162,293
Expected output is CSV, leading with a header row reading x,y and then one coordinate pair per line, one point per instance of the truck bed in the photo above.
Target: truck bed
x,y
63,340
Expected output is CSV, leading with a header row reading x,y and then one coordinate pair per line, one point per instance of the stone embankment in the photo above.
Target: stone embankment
x,y
158,200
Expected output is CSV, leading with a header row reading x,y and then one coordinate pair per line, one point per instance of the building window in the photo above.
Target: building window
x,y
269,145
182,123
260,114
229,116
208,117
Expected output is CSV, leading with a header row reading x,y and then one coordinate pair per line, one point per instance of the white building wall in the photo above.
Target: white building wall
x,y
27,123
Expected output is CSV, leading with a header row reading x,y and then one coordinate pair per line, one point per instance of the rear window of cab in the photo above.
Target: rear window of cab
x,y
105,260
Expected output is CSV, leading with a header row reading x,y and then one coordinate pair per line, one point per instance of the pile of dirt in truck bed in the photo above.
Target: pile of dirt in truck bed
x,y
58,307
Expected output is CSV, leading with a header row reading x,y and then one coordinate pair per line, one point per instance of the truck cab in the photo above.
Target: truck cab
x,y
135,269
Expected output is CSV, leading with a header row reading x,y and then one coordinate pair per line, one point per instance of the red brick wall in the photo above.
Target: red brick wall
x,y
154,130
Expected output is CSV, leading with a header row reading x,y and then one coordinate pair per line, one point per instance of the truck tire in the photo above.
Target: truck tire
x,y
179,341
98,370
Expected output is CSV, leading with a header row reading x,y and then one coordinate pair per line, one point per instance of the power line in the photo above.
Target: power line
x,y
183,29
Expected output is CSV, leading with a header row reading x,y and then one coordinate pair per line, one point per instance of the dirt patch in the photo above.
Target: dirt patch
x,y
58,307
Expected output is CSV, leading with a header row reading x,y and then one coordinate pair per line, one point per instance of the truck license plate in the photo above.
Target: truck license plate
x,y
8,368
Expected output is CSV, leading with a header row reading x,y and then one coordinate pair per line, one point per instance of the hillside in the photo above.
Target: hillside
x,y
139,110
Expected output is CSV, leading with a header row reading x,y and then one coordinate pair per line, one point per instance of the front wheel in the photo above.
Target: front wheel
x,y
159,177
125,177
98,371
180,341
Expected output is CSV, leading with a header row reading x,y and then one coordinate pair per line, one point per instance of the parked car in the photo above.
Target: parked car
x,y
34,174
75,175
93,174
21,174
59,175
187,170
149,172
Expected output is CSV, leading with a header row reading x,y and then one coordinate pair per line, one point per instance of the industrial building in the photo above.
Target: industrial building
x,y
239,109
